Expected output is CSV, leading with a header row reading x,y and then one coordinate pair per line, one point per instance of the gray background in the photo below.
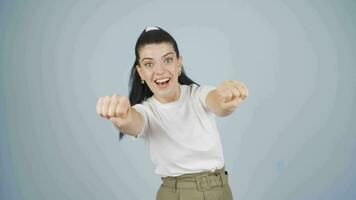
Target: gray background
x,y
294,138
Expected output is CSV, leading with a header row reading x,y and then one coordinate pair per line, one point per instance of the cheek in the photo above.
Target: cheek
x,y
174,68
146,75
176,71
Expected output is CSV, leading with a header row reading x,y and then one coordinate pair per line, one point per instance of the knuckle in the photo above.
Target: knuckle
x,y
106,100
124,98
114,97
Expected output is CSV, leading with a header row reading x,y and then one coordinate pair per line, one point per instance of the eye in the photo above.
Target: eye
x,y
168,60
148,64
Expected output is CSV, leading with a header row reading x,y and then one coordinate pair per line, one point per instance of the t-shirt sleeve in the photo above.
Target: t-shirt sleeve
x,y
202,93
142,110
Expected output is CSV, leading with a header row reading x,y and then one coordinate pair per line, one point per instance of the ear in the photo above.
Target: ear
x,y
139,70
180,61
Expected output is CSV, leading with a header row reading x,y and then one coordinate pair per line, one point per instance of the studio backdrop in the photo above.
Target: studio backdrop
x,y
294,137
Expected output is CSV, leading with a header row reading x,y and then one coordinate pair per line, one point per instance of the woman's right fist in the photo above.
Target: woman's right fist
x,y
114,106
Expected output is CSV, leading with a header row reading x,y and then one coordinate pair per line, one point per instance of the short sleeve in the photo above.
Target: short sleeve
x,y
203,92
142,110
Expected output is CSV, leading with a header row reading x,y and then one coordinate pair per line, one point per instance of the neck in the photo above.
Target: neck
x,y
171,98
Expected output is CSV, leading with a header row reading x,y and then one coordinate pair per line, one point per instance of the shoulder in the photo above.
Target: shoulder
x,y
199,90
144,104
199,93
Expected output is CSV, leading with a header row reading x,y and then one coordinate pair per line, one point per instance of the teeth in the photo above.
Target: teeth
x,y
162,80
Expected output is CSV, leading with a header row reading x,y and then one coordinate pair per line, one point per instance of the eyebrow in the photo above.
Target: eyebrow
x,y
162,56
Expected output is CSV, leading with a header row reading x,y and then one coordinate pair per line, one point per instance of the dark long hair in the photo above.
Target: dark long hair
x,y
139,92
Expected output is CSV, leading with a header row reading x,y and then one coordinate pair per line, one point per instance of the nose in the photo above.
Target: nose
x,y
159,69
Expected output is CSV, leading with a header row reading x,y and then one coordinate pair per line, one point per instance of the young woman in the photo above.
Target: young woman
x,y
176,118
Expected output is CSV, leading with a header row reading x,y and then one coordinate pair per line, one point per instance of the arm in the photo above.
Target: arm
x,y
226,97
132,125
119,111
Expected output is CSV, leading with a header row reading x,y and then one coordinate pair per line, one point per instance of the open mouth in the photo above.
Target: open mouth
x,y
162,82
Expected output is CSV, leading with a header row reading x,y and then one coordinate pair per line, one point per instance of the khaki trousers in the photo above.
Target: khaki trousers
x,y
196,186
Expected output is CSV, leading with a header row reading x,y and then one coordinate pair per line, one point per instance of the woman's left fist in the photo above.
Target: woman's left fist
x,y
232,92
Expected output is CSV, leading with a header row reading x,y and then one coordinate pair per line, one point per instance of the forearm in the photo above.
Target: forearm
x,y
132,125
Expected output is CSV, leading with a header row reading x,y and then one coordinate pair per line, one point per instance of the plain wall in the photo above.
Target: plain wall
x,y
294,137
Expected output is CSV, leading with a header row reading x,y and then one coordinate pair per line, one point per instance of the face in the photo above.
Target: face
x,y
159,68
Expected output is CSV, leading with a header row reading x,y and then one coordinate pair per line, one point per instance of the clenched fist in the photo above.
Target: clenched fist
x,y
116,108
231,93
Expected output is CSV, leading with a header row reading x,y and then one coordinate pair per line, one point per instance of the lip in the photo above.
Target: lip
x,y
165,85
161,78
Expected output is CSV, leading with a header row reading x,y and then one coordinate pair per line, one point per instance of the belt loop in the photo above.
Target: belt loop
x,y
175,185
219,173
223,176
170,183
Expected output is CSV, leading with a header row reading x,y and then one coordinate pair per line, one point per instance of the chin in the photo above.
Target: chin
x,y
165,92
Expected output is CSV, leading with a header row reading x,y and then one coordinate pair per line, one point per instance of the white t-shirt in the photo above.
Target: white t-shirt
x,y
182,136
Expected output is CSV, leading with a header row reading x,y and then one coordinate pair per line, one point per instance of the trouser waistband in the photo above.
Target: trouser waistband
x,y
200,181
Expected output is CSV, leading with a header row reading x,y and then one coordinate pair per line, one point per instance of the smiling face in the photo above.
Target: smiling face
x,y
159,68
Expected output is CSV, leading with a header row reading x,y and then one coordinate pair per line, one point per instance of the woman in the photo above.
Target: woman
x,y
176,118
